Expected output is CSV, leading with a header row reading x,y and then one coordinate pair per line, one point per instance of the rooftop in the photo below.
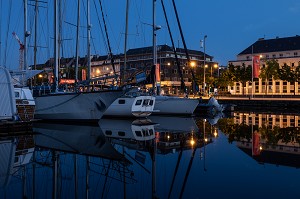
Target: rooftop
x,y
273,45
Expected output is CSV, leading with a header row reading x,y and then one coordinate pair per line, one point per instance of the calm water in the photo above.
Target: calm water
x,y
244,156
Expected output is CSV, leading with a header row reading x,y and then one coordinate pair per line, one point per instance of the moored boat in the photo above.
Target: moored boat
x,y
132,104
169,105
81,106
25,103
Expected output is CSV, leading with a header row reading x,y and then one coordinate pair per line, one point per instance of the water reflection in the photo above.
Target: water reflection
x,y
268,138
157,157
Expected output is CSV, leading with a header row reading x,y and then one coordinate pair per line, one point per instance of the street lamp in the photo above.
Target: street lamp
x,y
193,65
202,44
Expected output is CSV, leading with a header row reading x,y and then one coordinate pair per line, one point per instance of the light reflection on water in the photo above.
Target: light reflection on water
x,y
247,156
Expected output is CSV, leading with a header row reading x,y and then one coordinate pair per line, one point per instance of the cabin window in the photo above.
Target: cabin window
x,y
108,132
138,102
151,132
121,101
146,102
138,133
121,133
17,94
151,102
144,133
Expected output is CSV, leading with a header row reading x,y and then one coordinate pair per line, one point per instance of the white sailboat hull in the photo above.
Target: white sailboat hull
x,y
139,106
175,105
75,106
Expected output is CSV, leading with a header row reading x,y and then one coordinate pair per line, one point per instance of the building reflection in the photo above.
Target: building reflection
x,y
268,138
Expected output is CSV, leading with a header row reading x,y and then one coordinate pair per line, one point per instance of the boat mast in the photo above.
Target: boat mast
x,y
155,84
184,44
107,38
25,35
125,44
88,41
55,47
77,43
174,49
35,37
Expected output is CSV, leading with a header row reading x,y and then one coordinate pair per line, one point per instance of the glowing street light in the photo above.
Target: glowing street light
x,y
193,64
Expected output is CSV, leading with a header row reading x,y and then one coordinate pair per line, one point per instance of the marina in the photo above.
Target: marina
x,y
149,99
148,158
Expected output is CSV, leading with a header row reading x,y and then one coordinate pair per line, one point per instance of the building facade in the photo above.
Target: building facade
x,y
284,51
139,60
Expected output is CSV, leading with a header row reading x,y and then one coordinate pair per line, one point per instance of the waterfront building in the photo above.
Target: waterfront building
x,y
284,51
139,60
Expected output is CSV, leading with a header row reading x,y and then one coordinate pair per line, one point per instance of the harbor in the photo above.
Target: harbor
x,y
149,99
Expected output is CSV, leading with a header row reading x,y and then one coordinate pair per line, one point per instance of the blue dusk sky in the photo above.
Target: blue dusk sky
x,y
230,26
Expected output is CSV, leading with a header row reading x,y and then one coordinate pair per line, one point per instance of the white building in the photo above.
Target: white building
x,y
284,50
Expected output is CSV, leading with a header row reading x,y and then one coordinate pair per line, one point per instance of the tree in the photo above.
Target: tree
x,y
241,74
286,73
270,71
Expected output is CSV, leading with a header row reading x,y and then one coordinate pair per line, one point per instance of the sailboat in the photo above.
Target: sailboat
x,y
77,105
169,104
131,104
23,94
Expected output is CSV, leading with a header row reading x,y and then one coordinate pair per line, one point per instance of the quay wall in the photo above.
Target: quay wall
x,y
261,104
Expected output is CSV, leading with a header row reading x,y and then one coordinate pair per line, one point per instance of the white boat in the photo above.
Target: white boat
x,y
25,103
75,106
131,104
174,105
134,130
24,98
7,100
79,106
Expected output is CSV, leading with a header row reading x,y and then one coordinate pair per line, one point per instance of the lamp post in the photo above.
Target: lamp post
x,y
193,65
202,44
